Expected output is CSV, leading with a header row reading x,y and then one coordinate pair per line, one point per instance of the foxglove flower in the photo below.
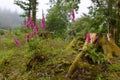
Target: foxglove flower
x,y
16,42
88,38
29,23
43,22
27,37
26,25
32,24
34,31
73,15
36,26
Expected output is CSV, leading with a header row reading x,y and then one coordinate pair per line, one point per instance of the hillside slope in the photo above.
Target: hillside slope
x,y
46,59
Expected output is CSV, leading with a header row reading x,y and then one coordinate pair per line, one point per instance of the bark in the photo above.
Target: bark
x,y
116,30
30,7
113,24
109,18
34,2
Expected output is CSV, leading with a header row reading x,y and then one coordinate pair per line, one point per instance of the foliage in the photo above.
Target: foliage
x,y
29,7
68,4
82,25
65,7
87,24
2,32
19,57
97,57
26,6
98,11
56,21
47,58
114,67
106,14
59,15
111,73
51,63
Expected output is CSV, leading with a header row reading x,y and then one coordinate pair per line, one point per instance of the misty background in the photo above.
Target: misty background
x,y
9,19
9,12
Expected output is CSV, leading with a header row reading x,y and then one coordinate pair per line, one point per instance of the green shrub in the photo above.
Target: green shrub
x,y
2,32
114,67
97,57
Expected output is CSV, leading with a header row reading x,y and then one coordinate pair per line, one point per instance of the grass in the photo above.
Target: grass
x,y
14,60
43,59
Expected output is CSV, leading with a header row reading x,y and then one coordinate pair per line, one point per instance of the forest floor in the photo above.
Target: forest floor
x,y
46,59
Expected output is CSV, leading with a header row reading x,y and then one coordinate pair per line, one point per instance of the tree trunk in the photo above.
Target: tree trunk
x,y
30,7
116,30
113,24
109,17
34,2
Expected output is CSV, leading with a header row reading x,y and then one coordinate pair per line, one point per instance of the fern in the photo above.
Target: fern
x,y
97,57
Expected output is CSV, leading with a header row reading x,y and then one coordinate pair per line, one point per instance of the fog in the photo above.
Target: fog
x,y
9,19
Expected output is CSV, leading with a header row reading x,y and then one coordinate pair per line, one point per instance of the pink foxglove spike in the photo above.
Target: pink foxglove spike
x,y
16,42
88,38
32,24
36,26
29,23
30,19
27,37
43,21
34,31
73,15
26,25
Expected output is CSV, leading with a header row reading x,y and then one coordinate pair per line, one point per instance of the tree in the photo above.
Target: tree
x,y
59,15
117,26
108,9
34,9
29,6
66,6
83,25
56,21
26,6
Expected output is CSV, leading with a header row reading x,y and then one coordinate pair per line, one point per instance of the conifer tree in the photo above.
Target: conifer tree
x,y
29,6
26,6
34,9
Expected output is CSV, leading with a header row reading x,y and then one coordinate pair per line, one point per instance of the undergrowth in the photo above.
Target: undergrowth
x,y
46,59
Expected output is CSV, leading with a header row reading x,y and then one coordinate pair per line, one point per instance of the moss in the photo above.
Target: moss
x,y
70,44
109,48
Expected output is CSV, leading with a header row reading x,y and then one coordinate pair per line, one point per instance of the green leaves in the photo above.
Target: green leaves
x,y
56,20
97,57
98,12
82,25
26,6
